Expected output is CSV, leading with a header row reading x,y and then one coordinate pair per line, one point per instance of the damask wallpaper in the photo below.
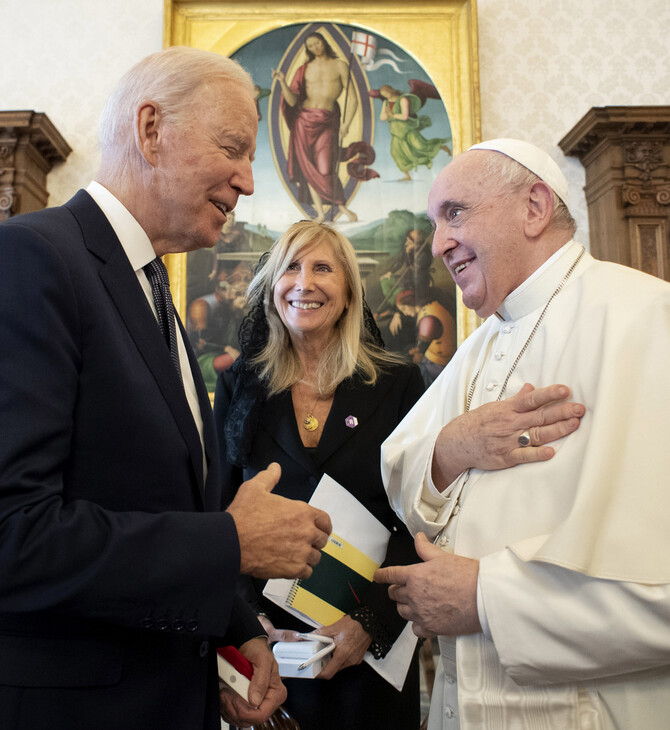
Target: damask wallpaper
x,y
542,66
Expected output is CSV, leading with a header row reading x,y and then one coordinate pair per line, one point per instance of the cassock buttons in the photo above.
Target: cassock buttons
x,y
204,649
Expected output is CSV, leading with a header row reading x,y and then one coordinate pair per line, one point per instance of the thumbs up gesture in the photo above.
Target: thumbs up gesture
x,y
279,537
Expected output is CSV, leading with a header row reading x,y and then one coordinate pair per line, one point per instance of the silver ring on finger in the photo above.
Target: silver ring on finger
x,y
524,439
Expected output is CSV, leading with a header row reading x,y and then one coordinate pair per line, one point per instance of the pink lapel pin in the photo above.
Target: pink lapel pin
x,y
351,421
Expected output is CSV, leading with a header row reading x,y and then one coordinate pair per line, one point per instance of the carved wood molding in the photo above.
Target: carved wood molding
x,y
626,156
8,142
645,174
30,146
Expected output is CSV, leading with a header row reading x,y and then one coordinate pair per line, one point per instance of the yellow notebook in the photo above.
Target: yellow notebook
x,y
337,584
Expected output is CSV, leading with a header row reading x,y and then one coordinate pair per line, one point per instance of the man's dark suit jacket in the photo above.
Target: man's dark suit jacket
x,y
117,565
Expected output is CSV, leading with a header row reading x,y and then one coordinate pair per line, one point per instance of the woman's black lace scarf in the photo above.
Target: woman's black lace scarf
x,y
249,393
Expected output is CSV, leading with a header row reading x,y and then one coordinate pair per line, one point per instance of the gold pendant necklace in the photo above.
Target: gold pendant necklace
x,y
310,422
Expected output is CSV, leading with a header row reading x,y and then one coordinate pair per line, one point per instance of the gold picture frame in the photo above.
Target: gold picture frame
x,y
441,35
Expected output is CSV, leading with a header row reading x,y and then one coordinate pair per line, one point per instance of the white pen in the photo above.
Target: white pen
x,y
318,655
316,637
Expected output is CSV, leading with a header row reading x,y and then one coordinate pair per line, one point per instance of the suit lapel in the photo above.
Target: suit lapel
x,y
352,398
121,283
212,490
278,419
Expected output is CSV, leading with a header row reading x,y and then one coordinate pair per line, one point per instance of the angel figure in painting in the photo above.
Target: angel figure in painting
x,y
409,148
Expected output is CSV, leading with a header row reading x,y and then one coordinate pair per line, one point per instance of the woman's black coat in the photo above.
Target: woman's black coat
x,y
351,456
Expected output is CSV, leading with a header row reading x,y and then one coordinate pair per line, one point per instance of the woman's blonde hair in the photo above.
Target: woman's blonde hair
x,y
351,349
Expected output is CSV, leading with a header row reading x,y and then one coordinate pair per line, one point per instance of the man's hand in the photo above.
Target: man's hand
x,y
266,691
439,595
487,437
279,537
351,643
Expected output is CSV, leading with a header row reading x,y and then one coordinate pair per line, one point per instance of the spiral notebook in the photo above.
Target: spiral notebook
x,y
336,584
355,549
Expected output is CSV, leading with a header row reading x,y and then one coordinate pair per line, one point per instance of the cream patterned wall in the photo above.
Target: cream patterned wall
x,y
543,64
63,57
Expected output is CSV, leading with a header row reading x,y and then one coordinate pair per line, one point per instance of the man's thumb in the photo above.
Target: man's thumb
x,y
424,548
270,476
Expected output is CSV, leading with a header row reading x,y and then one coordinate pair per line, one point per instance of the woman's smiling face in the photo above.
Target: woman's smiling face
x,y
312,293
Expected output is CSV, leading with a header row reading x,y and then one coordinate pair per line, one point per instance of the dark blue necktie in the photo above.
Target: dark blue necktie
x,y
160,288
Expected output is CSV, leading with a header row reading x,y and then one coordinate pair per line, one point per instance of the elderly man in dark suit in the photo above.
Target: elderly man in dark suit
x,y
117,563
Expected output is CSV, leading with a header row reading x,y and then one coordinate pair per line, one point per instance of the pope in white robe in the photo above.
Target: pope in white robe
x,y
571,555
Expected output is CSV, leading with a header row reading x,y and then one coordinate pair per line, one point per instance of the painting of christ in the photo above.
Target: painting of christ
x,y
352,132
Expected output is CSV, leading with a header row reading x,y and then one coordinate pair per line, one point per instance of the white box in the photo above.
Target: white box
x,y
291,654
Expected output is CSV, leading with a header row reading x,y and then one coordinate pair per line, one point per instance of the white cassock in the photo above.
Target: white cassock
x,y
574,552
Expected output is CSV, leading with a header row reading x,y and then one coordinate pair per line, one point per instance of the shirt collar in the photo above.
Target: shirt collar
x,y
130,233
539,286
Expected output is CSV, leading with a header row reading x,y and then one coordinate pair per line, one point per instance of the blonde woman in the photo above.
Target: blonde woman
x,y
315,391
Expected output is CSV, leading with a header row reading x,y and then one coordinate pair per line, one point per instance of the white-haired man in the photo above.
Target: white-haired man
x,y
118,566
549,582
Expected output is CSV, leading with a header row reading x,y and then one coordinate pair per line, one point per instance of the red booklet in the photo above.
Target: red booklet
x,y
234,669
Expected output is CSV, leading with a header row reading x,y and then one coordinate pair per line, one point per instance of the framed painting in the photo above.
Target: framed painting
x,y
392,87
